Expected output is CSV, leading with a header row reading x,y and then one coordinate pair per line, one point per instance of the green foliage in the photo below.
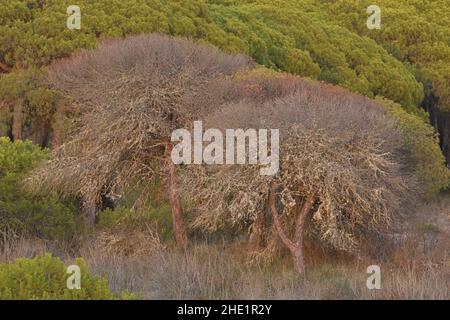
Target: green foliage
x,y
428,228
424,148
280,33
324,40
23,213
416,32
19,157
109,217
26,89
293,36
45,278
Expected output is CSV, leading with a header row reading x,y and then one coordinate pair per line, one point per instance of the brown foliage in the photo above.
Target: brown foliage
x,y
132,94
123,242
339,153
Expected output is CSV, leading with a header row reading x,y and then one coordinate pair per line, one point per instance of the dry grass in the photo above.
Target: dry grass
x,y
419,268
437,212
13,247
222,272
126,243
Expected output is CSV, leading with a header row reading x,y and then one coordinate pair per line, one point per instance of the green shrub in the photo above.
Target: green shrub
x,y
412,35
428,228
277,35
45,217
424,148
45,278
25,90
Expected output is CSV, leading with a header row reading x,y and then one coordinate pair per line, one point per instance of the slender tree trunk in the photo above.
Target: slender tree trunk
x,y
295,245
56,139
175,202
17,121
298,259
89,212
56,134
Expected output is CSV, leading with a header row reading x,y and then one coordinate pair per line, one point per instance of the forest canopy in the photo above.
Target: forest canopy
x,y
322,40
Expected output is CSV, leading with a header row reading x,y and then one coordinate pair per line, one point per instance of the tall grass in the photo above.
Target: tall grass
x,y
417,268
221,272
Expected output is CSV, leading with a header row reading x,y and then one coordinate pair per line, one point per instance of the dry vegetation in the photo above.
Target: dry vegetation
x,y
344,171
338,204
132,94
221,271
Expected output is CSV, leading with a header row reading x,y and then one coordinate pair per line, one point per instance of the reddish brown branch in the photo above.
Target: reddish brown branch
x,y
302,217
276,218
295,246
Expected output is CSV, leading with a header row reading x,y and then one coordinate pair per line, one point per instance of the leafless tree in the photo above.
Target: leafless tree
x,y
132,93
343,169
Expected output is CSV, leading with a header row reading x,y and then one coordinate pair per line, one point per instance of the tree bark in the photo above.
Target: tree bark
x,y
89,212
175,202
17,121
298,259
295,245
56,135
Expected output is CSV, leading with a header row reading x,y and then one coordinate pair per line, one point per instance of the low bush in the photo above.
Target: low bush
x,y
423,144
45,278
22,213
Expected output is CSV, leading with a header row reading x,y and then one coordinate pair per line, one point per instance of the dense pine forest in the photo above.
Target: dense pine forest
x,y
86,117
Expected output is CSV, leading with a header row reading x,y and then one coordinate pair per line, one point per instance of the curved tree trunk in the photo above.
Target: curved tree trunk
x,y
294,245
17,122
175,202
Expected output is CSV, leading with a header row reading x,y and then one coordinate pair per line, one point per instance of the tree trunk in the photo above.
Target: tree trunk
x,y
57,125
17,121
175,202
295,245
89,212
56,138
298,259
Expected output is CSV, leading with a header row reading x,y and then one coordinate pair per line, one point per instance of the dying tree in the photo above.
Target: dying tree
x,y
132,94
344,171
